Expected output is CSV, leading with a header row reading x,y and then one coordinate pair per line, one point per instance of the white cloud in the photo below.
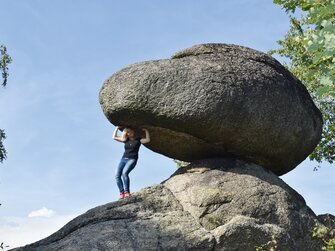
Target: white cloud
x,y
43,212
20,231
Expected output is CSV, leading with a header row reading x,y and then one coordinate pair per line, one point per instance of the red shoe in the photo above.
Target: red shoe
x,y
126,194
122,196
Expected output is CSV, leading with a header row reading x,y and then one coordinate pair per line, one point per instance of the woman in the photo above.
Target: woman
x,y
129,158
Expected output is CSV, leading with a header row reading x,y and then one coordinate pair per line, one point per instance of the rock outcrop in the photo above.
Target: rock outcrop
x,y
215,100
242,119
213,204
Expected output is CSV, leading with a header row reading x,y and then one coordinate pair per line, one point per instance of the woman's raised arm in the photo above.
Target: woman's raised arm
x,y
147,136
117,138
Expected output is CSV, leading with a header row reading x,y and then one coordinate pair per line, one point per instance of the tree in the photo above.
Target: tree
x,y
5,59
310,47
325,233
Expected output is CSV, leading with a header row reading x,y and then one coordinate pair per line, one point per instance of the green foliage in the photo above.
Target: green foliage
x,y
271,245
312,40
326,234
325,150
5,59
2,148
180,163
310,47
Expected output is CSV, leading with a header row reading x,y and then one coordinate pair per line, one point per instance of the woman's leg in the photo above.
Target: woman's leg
x,y
118,173
131,163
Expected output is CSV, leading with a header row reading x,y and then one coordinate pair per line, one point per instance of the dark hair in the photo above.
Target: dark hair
x,y
129,127
124,131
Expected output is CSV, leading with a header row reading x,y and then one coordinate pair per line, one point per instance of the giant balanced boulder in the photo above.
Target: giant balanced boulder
x,y
215,100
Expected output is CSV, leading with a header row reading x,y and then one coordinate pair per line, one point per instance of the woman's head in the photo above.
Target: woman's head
x,y
128,133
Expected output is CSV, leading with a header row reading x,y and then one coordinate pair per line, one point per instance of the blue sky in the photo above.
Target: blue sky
x,y
61,155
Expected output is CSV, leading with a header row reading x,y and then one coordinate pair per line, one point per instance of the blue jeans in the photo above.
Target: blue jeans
x,y
126,165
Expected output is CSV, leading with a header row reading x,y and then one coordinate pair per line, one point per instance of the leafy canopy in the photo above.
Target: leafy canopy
x,y
314,34
5,59
310,47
